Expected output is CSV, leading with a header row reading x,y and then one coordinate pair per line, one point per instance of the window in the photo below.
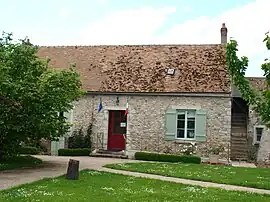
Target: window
x,y
186,124
258,132
119,119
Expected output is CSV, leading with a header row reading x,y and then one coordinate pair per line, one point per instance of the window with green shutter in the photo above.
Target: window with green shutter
x,y
170,121
201,125
185,124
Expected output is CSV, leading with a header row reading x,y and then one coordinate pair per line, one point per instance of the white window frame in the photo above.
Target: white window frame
x,y
255,134
185,132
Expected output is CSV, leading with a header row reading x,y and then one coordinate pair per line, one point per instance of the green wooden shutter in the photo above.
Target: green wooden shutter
x,y
170,124
201,125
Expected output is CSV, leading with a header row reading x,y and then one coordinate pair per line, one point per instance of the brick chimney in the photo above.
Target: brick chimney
x,y
223,32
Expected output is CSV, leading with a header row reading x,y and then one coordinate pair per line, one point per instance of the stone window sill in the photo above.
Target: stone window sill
x,y
184,141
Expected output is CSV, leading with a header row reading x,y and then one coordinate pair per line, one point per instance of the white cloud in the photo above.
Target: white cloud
x,y
65,13
187,8
103,2
127,27
247,24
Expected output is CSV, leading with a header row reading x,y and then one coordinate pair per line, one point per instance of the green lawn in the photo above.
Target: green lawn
x,y
101,186
248,177
19,162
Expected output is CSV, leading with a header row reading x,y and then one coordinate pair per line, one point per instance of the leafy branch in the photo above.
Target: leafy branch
x,y
237,67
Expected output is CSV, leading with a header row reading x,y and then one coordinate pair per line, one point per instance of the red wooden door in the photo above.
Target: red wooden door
x,y
117,130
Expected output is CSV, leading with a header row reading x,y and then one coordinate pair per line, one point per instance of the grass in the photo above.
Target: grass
x,y
19,162
248,177
102,186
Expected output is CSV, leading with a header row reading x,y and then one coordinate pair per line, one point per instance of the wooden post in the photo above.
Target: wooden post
x,y
73,170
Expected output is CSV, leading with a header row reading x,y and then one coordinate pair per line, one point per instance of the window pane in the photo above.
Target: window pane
x,y
123,130
259,131
190,134
116,122
181,124
181,116
191,124
191,114
180,133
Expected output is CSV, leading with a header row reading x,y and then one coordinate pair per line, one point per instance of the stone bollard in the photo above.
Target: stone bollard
x,y
73,170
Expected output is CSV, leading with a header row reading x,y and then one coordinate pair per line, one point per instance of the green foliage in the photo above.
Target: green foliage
x,y
260,101
145,156
88,136
19,162
81,140
76,140
31,95
74,152
29,150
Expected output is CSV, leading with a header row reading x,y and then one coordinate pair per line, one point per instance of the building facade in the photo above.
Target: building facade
x,y
176,95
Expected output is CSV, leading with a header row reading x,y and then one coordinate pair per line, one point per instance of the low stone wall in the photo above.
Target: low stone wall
x,y
263,164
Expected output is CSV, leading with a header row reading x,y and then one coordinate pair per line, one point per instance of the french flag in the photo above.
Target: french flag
x,y
100,106
126,112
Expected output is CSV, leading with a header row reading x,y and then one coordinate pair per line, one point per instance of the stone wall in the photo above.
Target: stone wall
x,y
264,150
252,121
146,119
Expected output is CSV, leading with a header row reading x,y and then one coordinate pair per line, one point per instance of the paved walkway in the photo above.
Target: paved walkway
x,y
55,166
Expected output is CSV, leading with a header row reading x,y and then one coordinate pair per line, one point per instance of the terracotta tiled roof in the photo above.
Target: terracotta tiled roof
x,y
142,68
259,83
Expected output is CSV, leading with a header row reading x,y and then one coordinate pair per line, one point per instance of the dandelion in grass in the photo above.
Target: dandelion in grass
x,y
93,173
55,180
42,186
107,188
149,190
195,189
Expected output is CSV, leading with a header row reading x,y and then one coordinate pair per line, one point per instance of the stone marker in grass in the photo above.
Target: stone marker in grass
x,y
73,170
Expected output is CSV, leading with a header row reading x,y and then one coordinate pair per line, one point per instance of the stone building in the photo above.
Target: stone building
x,y
176,94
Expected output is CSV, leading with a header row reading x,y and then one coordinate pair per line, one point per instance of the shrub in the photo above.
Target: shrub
x,y
19,162
74,152
167,157
28,150
80,140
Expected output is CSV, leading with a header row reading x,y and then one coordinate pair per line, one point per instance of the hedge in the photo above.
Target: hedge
x,y
19,162
146,156
74,152
29,150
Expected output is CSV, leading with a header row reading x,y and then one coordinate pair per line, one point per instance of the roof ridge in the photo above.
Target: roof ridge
x,y
138,45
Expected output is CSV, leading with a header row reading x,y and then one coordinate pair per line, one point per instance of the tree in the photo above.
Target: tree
x,y
31,95
259,101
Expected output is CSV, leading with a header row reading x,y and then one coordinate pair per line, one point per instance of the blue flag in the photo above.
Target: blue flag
x,y
100,106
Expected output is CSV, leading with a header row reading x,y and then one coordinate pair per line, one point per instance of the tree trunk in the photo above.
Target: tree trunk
x,y
73,170
263,158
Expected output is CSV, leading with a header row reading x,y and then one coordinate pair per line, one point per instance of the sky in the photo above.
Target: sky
x,y
131,22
